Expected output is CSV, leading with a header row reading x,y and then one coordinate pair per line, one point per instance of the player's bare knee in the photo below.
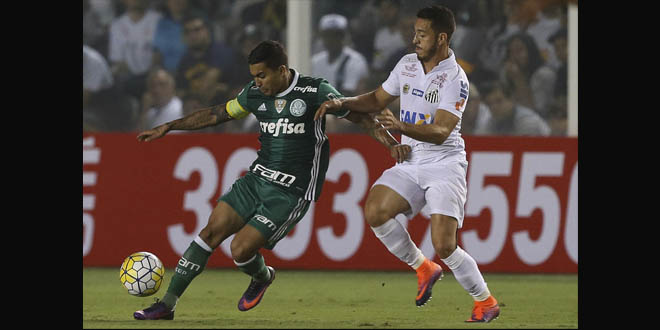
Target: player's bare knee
x,y
206,235
445,249
240,252
212,237
375,214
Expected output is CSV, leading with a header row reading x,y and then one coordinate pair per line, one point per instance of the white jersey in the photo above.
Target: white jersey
x,y
445,87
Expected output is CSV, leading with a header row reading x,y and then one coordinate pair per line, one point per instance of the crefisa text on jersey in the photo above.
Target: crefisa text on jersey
x,y
283,123
305,89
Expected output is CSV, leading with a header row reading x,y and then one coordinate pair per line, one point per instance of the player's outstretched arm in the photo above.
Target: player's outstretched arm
x,y
374,101
197,120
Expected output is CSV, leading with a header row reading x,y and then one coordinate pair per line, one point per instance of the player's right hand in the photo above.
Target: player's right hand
x,y
152,134
333,105
400,152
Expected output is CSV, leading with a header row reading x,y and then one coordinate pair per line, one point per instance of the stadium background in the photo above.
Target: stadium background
x,y
521,213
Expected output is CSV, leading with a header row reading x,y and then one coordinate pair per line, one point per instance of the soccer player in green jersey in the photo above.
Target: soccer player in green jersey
x,y
288,174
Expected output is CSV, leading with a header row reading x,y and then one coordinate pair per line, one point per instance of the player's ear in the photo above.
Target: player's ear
x,y
282,69
442,36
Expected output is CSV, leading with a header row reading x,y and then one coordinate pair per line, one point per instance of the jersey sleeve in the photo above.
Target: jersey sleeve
x,y
454,97
237,107
327,92
391,85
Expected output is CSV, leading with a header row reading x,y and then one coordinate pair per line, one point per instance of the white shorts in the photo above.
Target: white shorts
x,y
438,188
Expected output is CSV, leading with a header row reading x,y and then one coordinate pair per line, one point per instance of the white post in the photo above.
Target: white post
x,y
299,35
572,69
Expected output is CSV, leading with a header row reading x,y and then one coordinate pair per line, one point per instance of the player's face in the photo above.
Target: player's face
x,y
426,41
269,81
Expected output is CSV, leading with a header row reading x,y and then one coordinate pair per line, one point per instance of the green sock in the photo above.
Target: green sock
x,y
190,265
255,267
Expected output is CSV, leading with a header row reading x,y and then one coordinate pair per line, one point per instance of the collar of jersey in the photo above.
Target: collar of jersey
x,y
446,64
294,82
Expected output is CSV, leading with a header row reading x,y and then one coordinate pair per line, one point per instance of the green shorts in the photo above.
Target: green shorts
x,y
269,209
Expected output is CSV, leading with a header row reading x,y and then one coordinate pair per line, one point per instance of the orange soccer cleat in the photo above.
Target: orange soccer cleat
x,y
427,274
485,311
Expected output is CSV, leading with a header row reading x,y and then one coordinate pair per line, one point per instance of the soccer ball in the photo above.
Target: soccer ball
x,y
142,274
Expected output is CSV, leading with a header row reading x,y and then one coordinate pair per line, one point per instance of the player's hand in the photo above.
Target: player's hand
x,y
400,152
333,105
389,121
381,136
154,133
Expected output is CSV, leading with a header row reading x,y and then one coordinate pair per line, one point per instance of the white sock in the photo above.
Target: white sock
x,y
397,240
467,273
203,244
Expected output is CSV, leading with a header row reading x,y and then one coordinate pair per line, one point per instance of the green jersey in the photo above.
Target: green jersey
x,y
294,151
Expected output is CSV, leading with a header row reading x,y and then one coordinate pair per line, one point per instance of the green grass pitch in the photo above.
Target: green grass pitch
x,y
334,299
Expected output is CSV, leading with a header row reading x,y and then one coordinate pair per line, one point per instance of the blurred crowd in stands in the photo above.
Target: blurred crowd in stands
x,y
146,62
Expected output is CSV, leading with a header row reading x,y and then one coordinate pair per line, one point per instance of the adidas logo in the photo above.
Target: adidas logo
x,y
262,107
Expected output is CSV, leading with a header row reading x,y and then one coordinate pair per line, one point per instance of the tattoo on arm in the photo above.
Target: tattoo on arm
x,y
201,119
221,113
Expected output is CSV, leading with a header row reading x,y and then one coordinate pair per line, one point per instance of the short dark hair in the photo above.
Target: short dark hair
x,y
271,52
441,17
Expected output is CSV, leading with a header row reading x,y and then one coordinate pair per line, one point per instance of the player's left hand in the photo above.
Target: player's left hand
x,y
400,152
154,133
389,121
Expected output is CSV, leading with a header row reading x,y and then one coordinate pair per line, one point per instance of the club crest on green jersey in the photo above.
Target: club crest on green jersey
x,y
298,107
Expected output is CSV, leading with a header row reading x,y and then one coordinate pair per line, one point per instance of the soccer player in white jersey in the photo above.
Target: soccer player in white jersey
x,y
434,90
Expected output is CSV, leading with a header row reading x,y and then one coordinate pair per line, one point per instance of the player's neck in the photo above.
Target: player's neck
x,y
287,81
441,55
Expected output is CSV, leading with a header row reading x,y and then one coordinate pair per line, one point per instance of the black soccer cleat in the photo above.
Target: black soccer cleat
x,y
157,311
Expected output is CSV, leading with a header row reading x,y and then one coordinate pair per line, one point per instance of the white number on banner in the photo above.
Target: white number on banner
x,y
571,230
91,155
340,248
532,197
479,197
200,160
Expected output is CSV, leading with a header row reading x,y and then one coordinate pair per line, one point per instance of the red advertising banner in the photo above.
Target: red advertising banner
x,y
520,215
